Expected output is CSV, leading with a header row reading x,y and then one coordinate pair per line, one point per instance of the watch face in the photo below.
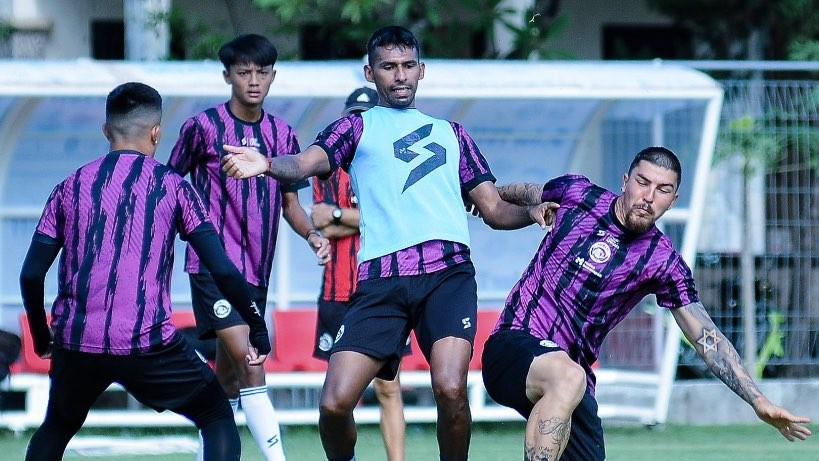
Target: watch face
x,y
337,213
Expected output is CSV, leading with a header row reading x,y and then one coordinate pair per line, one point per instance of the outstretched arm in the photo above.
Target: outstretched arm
x,y
724,361
499,213
245,162
521,193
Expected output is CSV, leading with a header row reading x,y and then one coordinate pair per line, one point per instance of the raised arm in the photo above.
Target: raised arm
x,y
245,162
499,213
724,361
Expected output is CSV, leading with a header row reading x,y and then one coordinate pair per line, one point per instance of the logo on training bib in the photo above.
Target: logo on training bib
x,y
325,342
221,308
402,152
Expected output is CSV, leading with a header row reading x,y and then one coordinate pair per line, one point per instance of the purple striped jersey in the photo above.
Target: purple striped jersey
x,y
245,213
116,219
340,140
589,272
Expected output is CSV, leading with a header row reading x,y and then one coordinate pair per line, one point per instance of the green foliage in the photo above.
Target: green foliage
x,y
726,26
445,28
191,39
6,30
756,143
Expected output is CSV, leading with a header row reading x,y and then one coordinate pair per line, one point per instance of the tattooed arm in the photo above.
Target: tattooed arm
x,y
522,193
724,361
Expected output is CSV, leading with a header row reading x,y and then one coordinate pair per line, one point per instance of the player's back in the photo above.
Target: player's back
x,y
117,219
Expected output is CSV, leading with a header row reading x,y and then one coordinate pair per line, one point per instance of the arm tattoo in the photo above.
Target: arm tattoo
x,y
285,169
520,193
721,356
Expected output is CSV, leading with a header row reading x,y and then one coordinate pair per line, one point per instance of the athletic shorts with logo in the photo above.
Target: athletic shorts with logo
x,y
507,356
382,312
329,320
212,311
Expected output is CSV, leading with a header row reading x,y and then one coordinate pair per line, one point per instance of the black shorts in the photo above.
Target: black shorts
x,y
383,311
168,378
212,311
330,316
507,356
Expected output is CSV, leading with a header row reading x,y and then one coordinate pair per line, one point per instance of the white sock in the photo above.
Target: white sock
x,y
262,422
200,455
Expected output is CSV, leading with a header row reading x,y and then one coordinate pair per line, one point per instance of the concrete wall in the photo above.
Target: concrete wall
x,y
710,402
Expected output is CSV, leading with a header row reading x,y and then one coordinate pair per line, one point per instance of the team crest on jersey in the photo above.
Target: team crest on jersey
x,y
600,252
339,334
325,342
221,308
251,142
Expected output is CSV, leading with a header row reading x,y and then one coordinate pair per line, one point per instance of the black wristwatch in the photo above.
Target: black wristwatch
x,y
337,216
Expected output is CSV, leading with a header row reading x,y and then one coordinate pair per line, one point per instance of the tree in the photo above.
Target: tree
x,y
445,28
748,29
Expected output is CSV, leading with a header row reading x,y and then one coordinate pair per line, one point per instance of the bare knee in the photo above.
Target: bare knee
x,y
334,405
449,388
561,381
386,390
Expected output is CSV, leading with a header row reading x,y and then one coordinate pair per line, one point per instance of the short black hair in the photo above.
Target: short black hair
x,y
132,107
391,36
662,157
248,49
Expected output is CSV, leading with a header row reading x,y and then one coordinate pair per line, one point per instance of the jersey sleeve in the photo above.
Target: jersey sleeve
x,y
185,153
340,139
52,220
678,289
557,189
473,168
192,210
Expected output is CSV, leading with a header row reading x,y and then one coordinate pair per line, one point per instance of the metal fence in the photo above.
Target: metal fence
x,y
758,251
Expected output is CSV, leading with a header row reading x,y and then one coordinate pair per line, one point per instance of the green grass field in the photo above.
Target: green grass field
x,y
503,441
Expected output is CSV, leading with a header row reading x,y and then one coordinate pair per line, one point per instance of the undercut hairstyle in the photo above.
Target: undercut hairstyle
x,y
132,109
248,49
660,156
391,36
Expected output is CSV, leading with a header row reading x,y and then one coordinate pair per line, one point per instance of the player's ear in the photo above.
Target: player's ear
x,y
226,76
368,73
106,132
156,133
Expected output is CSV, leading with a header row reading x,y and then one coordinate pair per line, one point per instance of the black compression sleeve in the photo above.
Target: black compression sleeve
x,y
40,256
209,248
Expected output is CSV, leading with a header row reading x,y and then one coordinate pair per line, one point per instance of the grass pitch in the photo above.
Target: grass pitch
x,y
501,442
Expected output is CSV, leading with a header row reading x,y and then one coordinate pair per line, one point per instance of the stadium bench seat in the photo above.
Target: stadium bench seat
x,y
293,339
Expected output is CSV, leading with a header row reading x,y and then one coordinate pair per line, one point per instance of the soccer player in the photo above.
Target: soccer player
x,y
335,215
411,174
115,221
603,255
246,216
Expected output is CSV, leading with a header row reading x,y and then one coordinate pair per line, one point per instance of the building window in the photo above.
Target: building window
x,y
108,39
624,42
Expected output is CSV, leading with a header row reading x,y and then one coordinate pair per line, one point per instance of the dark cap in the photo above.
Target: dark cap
x,y
361,99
